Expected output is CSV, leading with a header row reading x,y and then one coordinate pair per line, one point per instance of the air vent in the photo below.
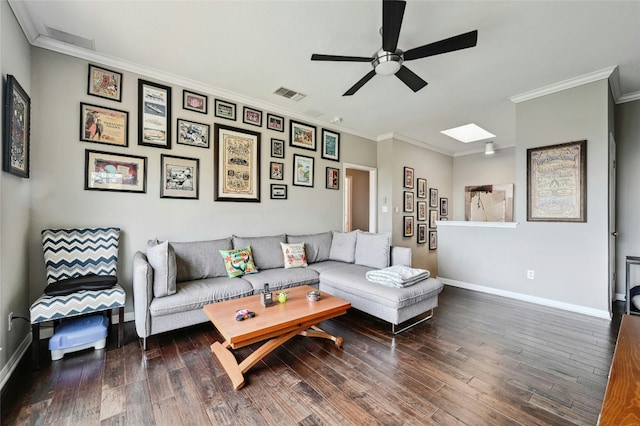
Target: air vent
x,y
289,94
70,38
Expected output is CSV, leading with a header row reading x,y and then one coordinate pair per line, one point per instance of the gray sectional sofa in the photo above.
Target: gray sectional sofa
x,y
173,281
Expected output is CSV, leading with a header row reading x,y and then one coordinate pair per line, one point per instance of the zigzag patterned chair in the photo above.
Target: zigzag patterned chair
x,y
72,253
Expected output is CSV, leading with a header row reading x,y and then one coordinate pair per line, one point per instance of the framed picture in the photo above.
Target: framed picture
x,y
276,171
224,109
275,122
422,210
277,148
104,83
408,178
444,206
278,192
303,170
433,217
106,171
192,133
408,202
433,240
422,233
433,197
179,177
422,188
408,226
237,177
330,145
154,114
104,125
17,122
557,182
302,135
195,102
333,178
252,116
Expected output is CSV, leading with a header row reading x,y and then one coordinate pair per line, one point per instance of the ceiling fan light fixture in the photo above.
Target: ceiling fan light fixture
x,y
387,63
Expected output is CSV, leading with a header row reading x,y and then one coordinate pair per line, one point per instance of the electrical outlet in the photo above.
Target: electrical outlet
x,y
10,320
531,274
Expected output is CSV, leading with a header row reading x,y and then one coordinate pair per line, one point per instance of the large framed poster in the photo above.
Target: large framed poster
x,y
237,155
557,182
154,114
17,122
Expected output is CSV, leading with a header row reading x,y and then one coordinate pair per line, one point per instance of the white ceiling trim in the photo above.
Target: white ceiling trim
x,y
564,85
629,97
24,19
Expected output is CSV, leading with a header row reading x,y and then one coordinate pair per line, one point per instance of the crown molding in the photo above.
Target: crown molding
x,y
564,85
629,97
411,141
19,9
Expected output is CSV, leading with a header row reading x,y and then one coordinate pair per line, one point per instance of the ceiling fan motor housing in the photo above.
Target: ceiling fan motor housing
x,y
387,63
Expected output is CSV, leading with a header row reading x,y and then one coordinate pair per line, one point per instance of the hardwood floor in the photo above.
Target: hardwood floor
x,y
482,360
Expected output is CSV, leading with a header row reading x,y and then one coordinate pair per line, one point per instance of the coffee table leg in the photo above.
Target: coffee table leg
x,y
315,331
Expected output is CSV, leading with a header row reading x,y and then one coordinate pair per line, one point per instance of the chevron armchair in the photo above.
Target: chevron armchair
x,y
73,253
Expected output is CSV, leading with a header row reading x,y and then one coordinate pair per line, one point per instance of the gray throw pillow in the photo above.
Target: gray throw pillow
x,y
316,246
343,246
267,253
373,250
163,261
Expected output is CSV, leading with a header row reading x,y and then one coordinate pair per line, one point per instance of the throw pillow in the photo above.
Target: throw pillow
x,y
294,255
343,246
163,261
373,250
239,262
316,246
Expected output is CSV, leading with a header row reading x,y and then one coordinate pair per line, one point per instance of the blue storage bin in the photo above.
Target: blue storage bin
x,y
77,334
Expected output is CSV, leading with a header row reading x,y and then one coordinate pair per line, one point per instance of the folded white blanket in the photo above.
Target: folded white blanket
x,y
397,276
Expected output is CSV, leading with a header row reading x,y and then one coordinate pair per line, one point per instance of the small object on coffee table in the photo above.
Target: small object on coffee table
x,y
313,296
243,314
266,298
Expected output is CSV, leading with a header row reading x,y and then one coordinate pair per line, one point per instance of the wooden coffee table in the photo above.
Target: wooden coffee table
x,y
278,323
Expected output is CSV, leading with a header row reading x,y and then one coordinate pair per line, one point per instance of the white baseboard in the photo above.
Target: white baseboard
x,y
528,298
10,366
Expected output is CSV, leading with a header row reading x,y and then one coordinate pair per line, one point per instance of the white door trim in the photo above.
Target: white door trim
x,y
373,192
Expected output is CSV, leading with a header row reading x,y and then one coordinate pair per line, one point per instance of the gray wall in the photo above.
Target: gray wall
x,y
569,259
14,205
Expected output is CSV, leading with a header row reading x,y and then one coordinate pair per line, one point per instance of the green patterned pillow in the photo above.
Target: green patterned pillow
x,y
238,262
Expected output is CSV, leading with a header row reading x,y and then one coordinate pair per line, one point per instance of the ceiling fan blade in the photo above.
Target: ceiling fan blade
x,y
318,57
392,14
360,83
458,42
410,78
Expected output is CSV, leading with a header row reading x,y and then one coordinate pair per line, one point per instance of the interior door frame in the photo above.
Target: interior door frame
x,y
373,193
612,222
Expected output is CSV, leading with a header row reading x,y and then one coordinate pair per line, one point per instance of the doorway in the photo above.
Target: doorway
x,y
360,198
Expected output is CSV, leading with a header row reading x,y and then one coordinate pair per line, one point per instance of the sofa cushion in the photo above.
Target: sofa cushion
x,y
200,259
373,250
293,255
343,246
238,262
320,267
162,259
266,250
192,295
316,246
282,278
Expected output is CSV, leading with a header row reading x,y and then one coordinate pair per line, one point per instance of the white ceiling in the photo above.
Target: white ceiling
x,y
244,50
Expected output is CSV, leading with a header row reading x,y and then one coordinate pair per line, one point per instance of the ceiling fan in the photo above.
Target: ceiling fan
x,y
389,60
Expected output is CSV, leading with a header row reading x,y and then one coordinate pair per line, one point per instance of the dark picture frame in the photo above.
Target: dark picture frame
x,y
433,197
277,148
444,206
333,178
303,170
275,122
408,202
330,145
302,135
179,177
557,183
433,240
104,83
276,171
421,191
154,114
193,133
224,109
422,233
408,226
278,191
16,141
237,152
407,177
108,171
252,116
433,217
421,207
193,101
104,125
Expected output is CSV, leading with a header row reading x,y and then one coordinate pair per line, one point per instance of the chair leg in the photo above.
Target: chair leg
x,y
35,345
120,326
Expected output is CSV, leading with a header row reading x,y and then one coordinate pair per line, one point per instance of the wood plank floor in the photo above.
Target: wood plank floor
x,y
482,360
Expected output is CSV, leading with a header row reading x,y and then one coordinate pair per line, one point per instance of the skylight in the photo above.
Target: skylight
x,y
468,133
